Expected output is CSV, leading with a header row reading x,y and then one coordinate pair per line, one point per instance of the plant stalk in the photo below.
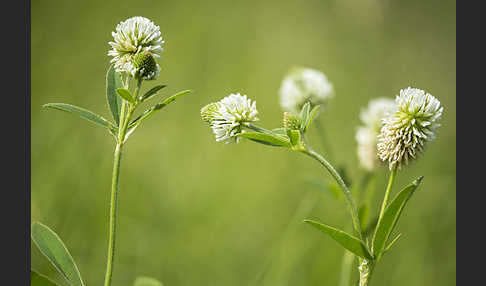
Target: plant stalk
x,y
387,192
125,115
347,193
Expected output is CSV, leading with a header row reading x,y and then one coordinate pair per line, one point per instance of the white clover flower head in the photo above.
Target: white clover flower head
x,y
228,116
133,36
302,85
406,131
367,134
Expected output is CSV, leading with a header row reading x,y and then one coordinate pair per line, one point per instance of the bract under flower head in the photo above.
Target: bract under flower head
x,y
406,131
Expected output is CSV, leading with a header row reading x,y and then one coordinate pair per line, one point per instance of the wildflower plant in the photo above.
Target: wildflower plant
x,y
136,46
400,129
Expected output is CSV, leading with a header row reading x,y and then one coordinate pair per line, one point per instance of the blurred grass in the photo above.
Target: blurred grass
x,y
193,212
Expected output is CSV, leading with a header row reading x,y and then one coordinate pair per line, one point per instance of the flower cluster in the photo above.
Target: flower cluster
x,y
302,85
137,42
405,131
366,135
228,116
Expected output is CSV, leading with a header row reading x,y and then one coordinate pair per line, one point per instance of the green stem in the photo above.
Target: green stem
x,y
125,116
113,212
387,192
347,193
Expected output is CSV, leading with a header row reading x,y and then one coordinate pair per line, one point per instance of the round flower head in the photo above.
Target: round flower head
x,y
133,36
405,131
228,116
367,134
302,85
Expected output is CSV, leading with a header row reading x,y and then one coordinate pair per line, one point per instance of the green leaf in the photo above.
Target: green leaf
x,y
147,281
391,215
56,252
83,113
304,113
266,138
294,136
147,113
310,118
392,243
363,212
125,94
280,131
37,279
113,81
152,92
351,243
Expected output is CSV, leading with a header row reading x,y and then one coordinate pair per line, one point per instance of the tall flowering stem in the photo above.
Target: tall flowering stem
x,y
126,114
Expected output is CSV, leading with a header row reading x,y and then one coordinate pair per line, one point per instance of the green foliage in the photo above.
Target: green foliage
x,y
147,281
351,243
147,113
113,82
152,92
56,252
37,279
309,118
266,138
125,94
83,113
390,217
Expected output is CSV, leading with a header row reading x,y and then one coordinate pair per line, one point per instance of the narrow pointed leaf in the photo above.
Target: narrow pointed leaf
x,y
304,113
147,113
390,218
351,243
152,92
266,138
56,252
125,94
387,248
37,279
113,82
311,117
81,112
147,281
280,131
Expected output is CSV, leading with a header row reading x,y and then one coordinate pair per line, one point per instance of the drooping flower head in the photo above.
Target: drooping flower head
x,y
367,134
135,36
228,116
302,85
406,131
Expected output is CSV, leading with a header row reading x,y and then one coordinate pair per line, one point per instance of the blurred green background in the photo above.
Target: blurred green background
x,y
194,212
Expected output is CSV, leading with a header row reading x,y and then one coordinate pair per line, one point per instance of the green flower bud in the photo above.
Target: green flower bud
x,y
145,65
209,111
291,121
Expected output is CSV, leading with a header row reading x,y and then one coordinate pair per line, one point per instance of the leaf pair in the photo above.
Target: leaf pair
x,y
52,247
307,115
383,229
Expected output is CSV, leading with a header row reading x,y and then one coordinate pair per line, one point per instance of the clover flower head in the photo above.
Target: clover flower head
x,y
302,85
409,127
228,116
133,36
367,133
